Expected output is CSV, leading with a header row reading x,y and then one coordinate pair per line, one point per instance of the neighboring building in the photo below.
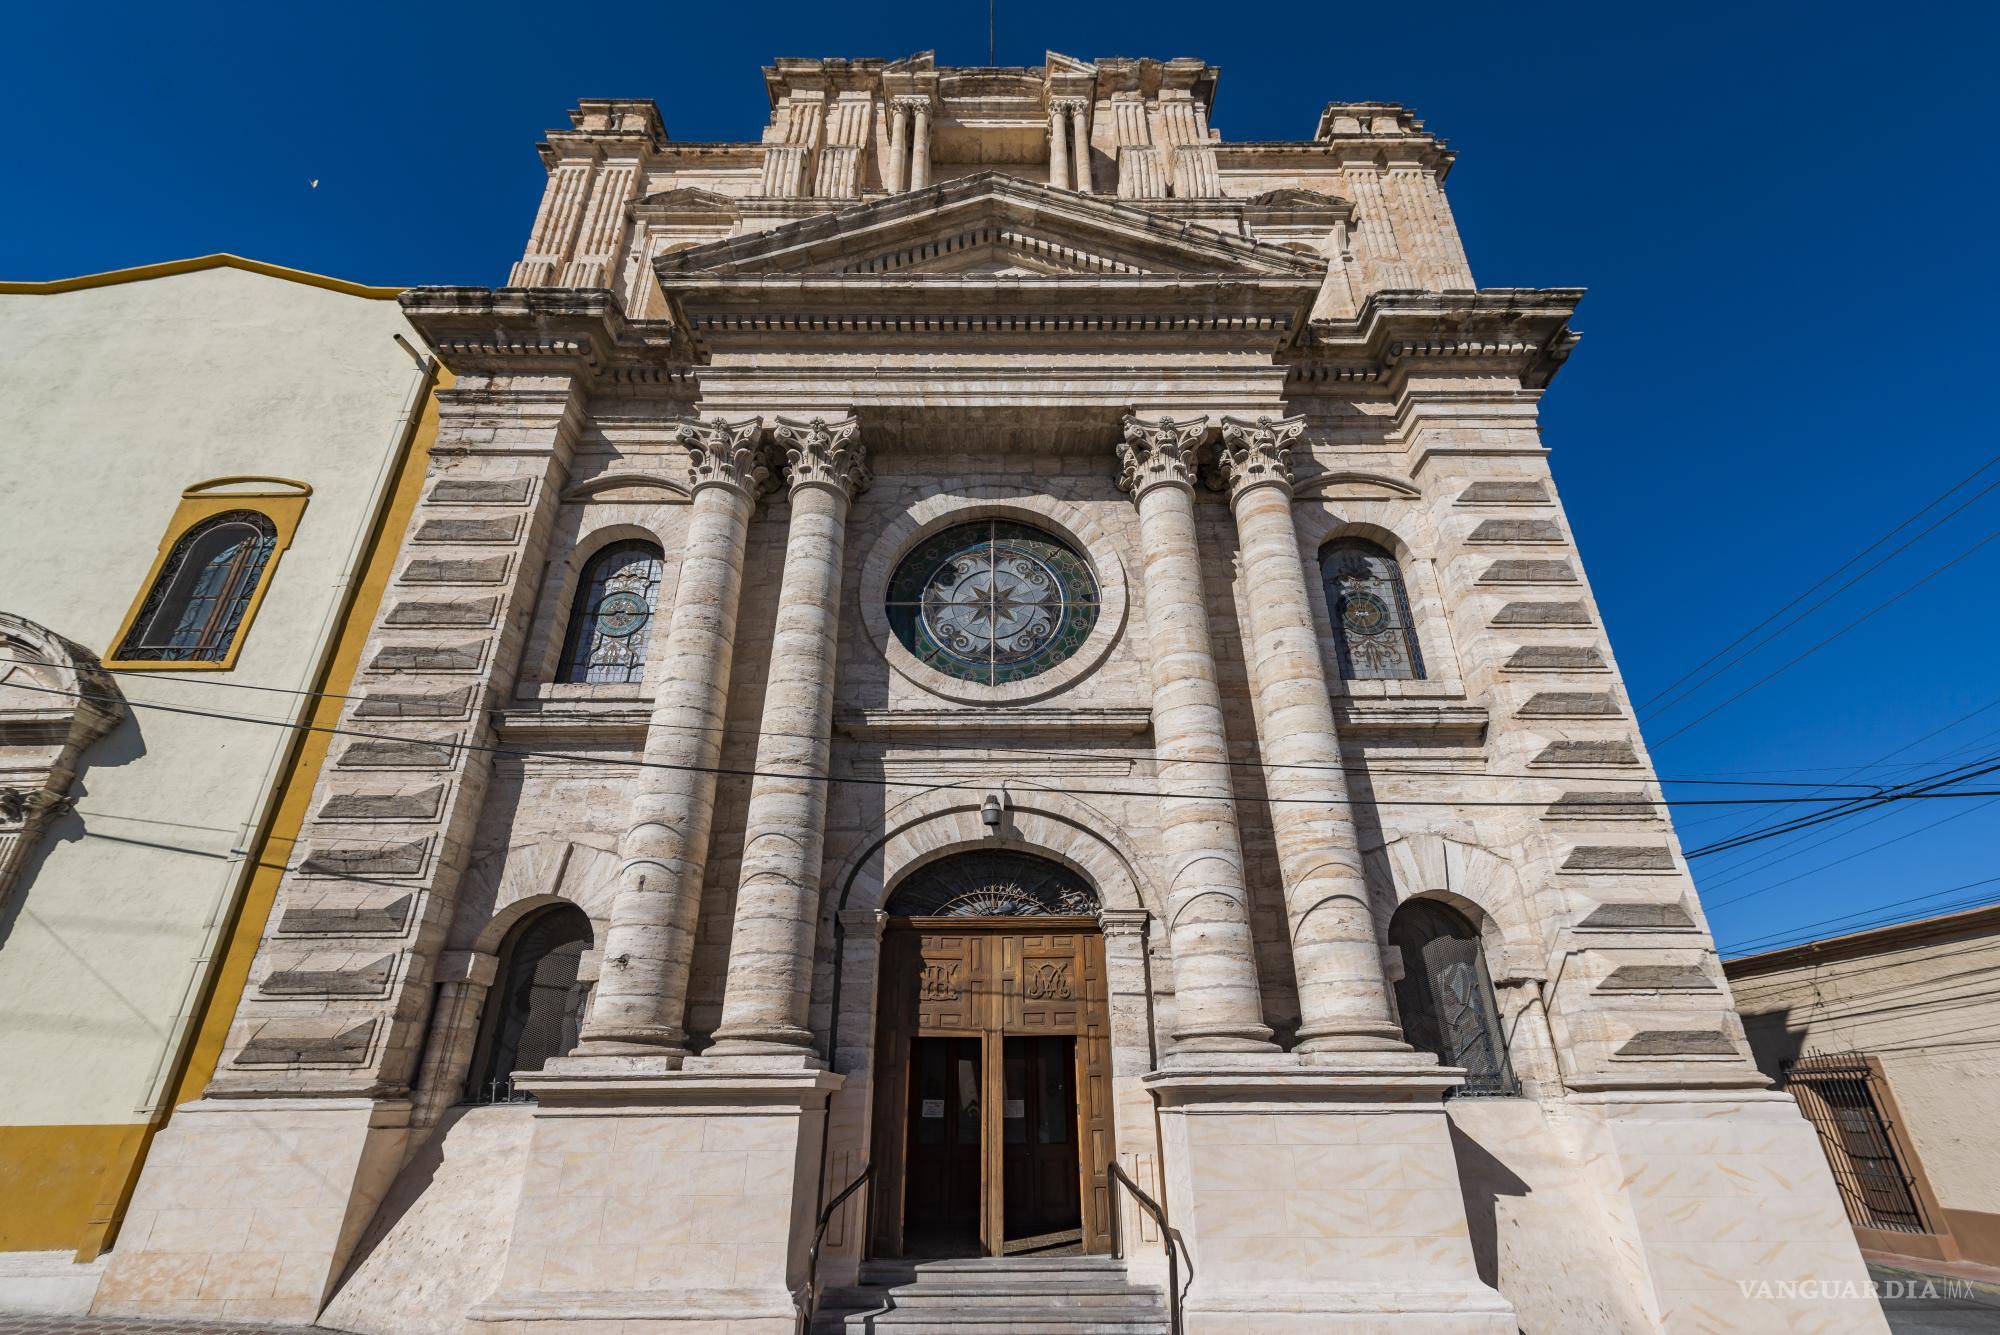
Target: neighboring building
x,y
209,464
1887,1038
823,720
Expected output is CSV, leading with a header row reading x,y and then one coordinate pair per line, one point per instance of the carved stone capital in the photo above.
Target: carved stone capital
x,y
918,106
1257,454
726,454
1159,453
827,454
1064,107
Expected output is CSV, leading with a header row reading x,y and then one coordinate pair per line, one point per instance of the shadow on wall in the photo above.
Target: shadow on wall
x,y
1773,1041
121,746
1484,1180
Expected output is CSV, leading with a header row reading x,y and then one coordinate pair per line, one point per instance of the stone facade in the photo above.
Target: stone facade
x,y
1057,298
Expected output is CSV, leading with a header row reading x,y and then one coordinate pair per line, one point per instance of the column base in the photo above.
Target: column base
x,y
1320,1199
657,1198
249,1209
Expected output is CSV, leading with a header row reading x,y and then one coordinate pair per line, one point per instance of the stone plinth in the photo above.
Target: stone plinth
x,y
663,1200
250,1209
1725,1208
1318,1200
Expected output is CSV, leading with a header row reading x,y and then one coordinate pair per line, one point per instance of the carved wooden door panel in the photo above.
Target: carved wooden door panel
x,y
1095,1116
1042,982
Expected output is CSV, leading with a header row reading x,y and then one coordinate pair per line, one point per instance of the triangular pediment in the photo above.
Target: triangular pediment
x,y
995,226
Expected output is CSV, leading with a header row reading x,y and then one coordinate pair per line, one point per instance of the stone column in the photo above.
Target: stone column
x,y
1217,1003
1343,999
920,150
771,946
895,170
1080,147
1059,176
641,998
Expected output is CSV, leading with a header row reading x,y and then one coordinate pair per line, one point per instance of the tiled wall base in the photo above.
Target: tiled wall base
x,y
1317,1202
676,1201
249,1208
1728,1214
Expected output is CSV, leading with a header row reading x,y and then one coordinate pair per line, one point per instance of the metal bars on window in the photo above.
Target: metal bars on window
x,y
1841,1095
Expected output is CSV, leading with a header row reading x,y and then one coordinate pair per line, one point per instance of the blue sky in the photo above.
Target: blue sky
x,y
1781,212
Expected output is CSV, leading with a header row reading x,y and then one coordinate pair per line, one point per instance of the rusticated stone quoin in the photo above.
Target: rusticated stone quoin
x,y
1584,805
1517,530
1619,857
390,918
421,804
1639,917
1501,492
363,981
1570,704
1657,978
308,1042
1587,753
413,704
1678,1043
372,753
455,612
456,570
1556,658
481,491
427,657
1529,572
1542,614
400,859
499,529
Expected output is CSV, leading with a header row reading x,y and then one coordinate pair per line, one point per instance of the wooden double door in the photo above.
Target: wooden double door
x,y
992,1088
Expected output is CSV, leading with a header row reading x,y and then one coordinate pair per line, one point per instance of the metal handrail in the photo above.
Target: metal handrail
x,y
811,1308
1170,1239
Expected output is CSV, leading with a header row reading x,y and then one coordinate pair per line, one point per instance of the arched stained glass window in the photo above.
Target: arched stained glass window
x,y
1371,612
612,617
195,606
992,601
535,1010
1445,997
996,884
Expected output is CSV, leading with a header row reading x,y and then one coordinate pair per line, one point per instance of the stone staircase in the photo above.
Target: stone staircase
x,y
995,1295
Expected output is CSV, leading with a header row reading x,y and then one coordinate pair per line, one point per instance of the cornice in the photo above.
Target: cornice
x,y
1874,941
1522,332
561,331
196,264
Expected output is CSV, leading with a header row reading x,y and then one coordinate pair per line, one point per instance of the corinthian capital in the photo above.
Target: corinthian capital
x,y
1158,453
820,453
1068,106
1259,453
915,105
726,454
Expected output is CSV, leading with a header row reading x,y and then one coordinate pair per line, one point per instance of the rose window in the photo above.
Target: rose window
x,y
992,602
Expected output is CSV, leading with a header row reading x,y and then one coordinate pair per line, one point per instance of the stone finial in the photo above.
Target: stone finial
x,y
1259,453
726,454
820,453
1162,452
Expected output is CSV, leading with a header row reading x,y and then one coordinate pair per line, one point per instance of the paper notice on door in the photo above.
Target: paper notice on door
x,y
1016,1107
934,1107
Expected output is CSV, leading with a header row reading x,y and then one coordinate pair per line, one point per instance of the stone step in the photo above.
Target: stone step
x,y
1002,1295
1025,1320
995,1295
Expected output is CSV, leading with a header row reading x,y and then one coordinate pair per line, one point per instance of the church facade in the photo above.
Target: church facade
x,y
997,649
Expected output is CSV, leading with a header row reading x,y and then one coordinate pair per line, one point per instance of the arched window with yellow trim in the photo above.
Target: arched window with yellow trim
x,y
215,564
198,599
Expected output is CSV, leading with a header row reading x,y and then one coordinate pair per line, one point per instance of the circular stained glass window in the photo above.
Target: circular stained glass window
x,y
992,602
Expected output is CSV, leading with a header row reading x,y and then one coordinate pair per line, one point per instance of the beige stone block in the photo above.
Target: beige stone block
x,y
660,1134
152,1277
1328,1214
242,1275
1238,1214
278,1229
214,1230
660,1217
1406,1213
561,1221
597,1267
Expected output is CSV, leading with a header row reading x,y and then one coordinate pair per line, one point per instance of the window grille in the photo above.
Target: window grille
x,y
612,618
1373,630
204,587
1445,997
1000,884
535,1011
1841,1094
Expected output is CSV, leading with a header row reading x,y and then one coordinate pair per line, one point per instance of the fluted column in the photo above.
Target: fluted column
x,y
1059,110
641,998
1217,1003
1343,997
894,171
1080,146
920,148
777,899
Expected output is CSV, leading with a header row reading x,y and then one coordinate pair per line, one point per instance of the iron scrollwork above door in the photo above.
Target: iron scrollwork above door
x,y
993,885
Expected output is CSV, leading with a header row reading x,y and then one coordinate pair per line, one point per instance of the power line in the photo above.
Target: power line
x,y
1807,929
1910,834
1796,659
1930,786
740,731
926,785
1832,574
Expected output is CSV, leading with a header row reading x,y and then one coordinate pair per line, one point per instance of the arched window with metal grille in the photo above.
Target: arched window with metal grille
x,y
198,600
1373,629
612,617
535,1009
1445,996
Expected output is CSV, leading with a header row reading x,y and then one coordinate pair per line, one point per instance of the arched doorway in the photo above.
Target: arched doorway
x,y
1445,996
535,1008
992,1123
